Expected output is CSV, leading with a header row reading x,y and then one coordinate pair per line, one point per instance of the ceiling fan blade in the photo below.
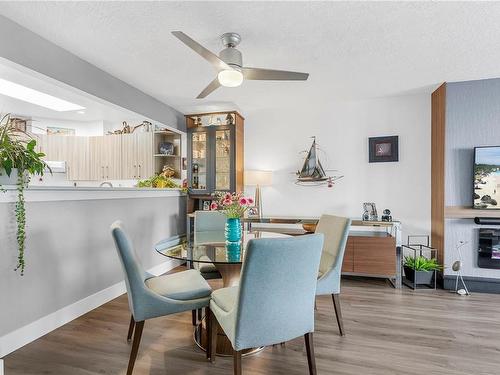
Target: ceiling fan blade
x,y
212,86
273,75
211,57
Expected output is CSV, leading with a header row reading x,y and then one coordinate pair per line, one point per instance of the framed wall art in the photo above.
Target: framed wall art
x,y
383,149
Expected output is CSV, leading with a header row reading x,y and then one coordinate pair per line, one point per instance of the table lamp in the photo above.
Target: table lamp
x,y
258,179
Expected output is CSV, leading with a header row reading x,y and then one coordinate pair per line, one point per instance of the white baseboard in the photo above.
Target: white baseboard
x,y
24,335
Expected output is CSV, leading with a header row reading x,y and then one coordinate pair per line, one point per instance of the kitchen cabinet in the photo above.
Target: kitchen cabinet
x,y
137,156
105,157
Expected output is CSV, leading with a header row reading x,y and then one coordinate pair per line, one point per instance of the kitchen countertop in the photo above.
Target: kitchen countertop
x,y
62,193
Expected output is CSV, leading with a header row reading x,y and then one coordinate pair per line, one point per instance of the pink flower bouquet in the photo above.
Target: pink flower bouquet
x,y
233,205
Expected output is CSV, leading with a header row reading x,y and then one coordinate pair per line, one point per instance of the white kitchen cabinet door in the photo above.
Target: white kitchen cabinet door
x,y
144,155
129,156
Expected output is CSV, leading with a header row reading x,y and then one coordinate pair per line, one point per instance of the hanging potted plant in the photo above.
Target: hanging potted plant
x,y
234,207
18,161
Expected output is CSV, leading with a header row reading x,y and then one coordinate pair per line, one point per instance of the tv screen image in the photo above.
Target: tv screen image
x,y
487,178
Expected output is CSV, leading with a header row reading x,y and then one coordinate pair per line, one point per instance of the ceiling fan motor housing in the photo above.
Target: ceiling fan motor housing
x,y
232,57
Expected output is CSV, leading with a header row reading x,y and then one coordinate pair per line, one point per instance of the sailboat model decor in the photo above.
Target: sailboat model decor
x,y
312,172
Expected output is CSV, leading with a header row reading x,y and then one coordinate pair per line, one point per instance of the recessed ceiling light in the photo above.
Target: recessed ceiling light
x,y
26,94
80,112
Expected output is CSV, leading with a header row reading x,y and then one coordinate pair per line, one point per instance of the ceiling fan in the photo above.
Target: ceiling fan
x,y
229,65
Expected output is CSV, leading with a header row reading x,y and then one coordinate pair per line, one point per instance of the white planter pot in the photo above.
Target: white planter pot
x,y
8,180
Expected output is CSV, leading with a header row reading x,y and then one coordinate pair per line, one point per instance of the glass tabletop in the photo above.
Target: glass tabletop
x,y
211,247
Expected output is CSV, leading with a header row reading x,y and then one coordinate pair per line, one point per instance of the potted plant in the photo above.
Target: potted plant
x,y
234,207
18,160
420,270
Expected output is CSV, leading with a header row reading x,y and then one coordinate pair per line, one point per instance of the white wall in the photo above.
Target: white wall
x,y
274,138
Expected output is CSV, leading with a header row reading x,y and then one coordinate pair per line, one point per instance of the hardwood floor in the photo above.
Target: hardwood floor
x,y
387,332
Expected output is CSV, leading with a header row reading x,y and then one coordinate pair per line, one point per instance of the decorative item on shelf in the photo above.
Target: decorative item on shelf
x,y
370,212
184,163
167,171
166,148
312,172
197,121
258,179
309,228
146,126
457,267
386,215
383,149
234,207
229,119
18,161
19,124
206,205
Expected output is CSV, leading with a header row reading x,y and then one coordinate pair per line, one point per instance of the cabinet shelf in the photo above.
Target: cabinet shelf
x,y
166,156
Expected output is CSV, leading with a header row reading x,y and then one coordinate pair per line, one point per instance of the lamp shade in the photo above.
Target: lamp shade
x,y
261,178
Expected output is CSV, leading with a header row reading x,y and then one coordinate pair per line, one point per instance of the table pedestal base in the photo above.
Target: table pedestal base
x,y
224,347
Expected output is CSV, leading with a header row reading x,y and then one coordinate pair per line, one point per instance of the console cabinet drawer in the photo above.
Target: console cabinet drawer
x,y
374,255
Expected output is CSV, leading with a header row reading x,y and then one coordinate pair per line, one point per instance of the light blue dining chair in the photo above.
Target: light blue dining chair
x,y
274,301
209,227
154,296
336,230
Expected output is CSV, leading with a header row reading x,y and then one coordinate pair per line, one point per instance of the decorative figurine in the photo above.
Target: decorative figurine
x,y
387,215
229,119
166,148
167,171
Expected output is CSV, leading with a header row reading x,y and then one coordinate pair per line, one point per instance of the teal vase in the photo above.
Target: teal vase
x,y
233,230
233,252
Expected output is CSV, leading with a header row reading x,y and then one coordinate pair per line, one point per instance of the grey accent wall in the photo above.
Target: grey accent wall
x,y
70,254
26,48
472,119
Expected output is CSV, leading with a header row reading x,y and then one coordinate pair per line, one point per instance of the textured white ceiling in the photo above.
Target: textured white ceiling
x,y
351,50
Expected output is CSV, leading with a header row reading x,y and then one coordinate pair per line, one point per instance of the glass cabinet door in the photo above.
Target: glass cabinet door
x,y
222,160
199,161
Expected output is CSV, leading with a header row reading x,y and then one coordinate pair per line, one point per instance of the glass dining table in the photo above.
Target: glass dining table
x,y
228,258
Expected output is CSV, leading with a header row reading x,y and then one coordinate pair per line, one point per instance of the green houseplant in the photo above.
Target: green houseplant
x,y
420,270
19,160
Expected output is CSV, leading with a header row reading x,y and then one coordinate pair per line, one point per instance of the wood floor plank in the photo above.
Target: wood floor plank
x,y
388,332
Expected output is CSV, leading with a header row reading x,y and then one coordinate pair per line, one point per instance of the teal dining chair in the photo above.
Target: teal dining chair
x,y
155,296
209,227
274,301
336,230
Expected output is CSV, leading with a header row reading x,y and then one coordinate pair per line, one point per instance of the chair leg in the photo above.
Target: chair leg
x,y
200,315
130,328
338,313
214,326
311,360
208,322
193,317
237,362
135,346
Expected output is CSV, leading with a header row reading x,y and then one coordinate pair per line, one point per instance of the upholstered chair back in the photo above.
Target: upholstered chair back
x,y
206,221
132,268
336,231
277,290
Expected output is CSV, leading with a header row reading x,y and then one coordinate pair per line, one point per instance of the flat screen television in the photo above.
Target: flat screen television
x,y
487,178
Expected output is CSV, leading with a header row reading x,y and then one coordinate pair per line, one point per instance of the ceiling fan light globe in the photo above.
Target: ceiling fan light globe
x,y
230,78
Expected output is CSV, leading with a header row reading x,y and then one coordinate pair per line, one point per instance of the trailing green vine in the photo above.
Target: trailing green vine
x,y
17,151
21,222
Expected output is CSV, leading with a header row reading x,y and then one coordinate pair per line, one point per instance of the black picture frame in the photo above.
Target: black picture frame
x,y
383,149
